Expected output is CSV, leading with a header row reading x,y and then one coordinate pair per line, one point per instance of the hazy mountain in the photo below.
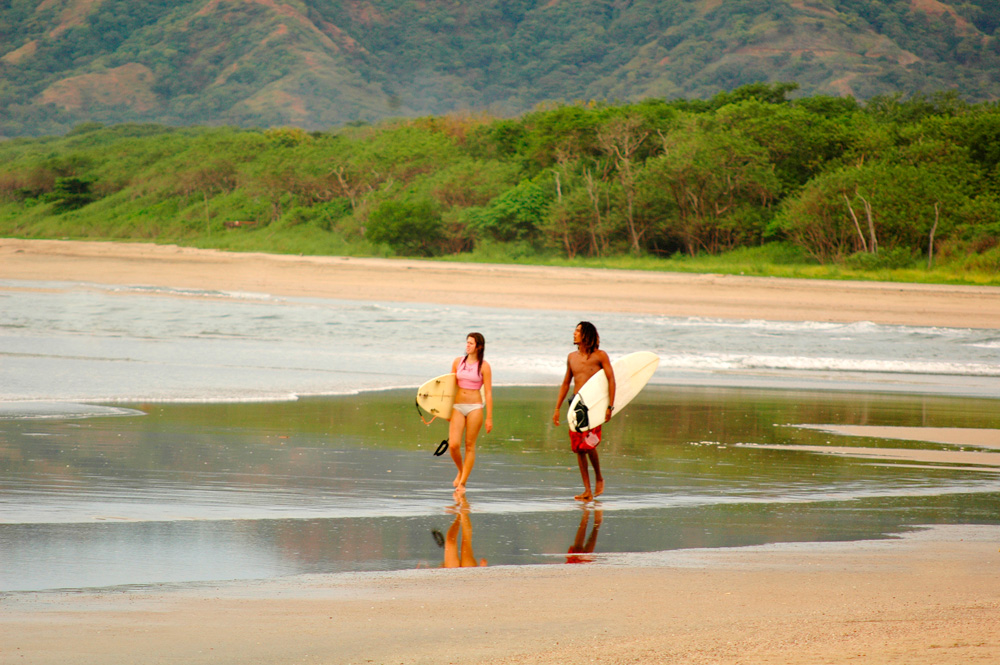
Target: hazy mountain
x,y
322,63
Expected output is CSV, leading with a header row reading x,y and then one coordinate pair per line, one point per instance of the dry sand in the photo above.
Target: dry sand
x,y
932,597
577,289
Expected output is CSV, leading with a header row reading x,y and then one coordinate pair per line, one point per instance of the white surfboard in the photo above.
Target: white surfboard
x,y
632,372
437,396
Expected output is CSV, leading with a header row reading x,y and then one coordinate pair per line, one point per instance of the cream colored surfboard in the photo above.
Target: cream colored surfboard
x,y
632,373
436,396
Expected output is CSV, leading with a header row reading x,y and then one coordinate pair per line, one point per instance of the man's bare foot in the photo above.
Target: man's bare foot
x,y
599,488
586,496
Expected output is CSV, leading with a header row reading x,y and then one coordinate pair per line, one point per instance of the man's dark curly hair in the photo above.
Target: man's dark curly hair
x,y
589,339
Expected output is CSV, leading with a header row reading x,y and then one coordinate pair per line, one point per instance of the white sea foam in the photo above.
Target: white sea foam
x,y
721,362
59,410
70,342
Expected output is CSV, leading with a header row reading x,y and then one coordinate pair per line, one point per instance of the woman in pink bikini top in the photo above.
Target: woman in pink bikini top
x,y
474,395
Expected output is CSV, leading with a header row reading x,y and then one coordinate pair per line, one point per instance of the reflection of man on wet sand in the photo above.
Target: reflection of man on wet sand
x,y
579,547
455,555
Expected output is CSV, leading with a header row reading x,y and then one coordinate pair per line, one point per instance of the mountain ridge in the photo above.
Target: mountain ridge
x,y
322,63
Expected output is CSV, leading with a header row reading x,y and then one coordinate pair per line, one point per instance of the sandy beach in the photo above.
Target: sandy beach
x,y
932,596
490,285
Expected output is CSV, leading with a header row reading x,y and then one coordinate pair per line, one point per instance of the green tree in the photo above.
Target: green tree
x,y
874,207
411,228
711,180
620,140
799,143
516,214
71,194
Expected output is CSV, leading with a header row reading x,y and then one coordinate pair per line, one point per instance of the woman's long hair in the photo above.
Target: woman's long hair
x,y
480,349
589,339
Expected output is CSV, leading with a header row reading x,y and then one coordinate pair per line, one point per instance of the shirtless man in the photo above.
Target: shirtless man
x,y
582,364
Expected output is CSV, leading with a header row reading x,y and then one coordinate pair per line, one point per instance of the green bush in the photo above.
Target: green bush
x,y
515,215
411,228
71,194
897,257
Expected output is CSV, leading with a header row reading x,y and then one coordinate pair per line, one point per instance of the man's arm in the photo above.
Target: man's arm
x,y
563,391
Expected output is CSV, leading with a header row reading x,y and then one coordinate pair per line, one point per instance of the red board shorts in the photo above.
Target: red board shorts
x,y
578,440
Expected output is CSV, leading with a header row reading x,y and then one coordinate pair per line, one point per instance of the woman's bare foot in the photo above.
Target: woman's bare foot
x,y
586,496
459,490
458,480
599,488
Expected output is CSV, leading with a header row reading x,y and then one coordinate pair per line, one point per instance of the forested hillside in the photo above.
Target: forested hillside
x,y
822,179
318,64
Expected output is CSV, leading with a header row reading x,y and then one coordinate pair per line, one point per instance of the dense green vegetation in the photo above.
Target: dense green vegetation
x,y
822,185
324,63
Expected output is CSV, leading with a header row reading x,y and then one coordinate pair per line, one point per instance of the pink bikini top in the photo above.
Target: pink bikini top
x,y
468,376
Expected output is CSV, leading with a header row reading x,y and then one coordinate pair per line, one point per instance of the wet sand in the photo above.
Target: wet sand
x,y
932,597
976,447
576,289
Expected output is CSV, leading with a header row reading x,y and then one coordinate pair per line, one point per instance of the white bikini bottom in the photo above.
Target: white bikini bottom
x,y
466,409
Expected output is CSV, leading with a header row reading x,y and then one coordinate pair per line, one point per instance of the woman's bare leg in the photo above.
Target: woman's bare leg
x,y
473,423
455,428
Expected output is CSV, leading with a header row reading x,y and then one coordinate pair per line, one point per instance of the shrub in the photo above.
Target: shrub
x,y
516,214
71,194
411,228
884,259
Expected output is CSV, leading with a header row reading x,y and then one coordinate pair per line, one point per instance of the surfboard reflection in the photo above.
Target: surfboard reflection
x,y
582,544
458,540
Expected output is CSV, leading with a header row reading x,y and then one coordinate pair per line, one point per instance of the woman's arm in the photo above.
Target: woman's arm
x,y
488,395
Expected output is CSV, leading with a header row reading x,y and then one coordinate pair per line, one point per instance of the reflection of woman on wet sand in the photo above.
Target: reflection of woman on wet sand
x,y
579,547
456,556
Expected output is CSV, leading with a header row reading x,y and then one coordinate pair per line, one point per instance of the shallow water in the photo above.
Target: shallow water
x,y
156,436
157,493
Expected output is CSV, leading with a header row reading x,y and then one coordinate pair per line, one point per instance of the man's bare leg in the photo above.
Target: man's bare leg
x,y
598,478
587,494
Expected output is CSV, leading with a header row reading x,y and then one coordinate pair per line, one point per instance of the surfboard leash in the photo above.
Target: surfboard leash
x,y
420,412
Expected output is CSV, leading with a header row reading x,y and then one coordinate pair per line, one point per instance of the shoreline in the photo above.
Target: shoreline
x,y
502,286
931,596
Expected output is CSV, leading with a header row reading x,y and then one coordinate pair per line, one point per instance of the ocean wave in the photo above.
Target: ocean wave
x,y
722,362
768,326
